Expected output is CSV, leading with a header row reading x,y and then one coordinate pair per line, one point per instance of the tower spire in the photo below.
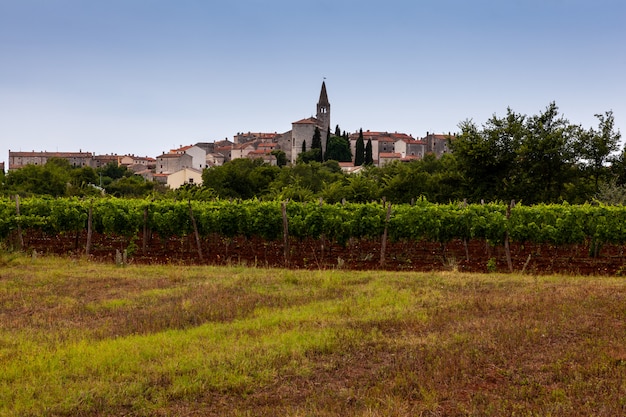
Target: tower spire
x,y
323,109
323,95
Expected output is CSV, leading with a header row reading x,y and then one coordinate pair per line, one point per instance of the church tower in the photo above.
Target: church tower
x,y
323,111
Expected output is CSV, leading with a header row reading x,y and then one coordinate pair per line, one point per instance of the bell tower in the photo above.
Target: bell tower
x,y
323,110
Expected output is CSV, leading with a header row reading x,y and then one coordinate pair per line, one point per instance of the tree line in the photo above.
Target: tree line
x,y
541,158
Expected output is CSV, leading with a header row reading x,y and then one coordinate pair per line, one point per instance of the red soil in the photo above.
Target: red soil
x,y
476,256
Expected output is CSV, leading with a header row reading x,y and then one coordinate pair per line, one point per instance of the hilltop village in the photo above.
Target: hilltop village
x,y
185,164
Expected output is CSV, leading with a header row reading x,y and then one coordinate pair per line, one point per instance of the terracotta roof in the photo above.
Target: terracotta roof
x,y
53,154
310,120
389,155
169,155
181,149
410,158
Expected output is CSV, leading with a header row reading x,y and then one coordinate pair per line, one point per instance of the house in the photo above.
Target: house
x,y
242,150
266,156
169,163
76,159
255,136
197,153
437,144
214,159
410,149
349,168
382,142
184,176
99,161
130,160
387,157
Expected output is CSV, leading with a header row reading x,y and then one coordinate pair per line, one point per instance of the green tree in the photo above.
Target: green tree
x,y
546,158
316,144
240,178
597,147
50,179
325,157
487,156
369,159
359,152
133,186
281,157
338,149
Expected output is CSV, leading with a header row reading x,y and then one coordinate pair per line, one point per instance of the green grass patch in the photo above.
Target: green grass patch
x,y
81,338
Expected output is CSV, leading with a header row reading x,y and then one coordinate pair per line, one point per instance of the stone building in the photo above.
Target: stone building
x,y
76,159
303,130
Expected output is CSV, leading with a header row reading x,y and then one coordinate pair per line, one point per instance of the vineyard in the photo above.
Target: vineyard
x,y
584,239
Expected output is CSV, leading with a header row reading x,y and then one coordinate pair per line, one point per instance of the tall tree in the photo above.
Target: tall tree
x,y
359,152
316,144
369,159
599,146
338,150
337,131
546,157
487,157
325,157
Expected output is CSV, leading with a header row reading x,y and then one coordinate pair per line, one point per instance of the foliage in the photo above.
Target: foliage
x,y
556,224
359,151
338,149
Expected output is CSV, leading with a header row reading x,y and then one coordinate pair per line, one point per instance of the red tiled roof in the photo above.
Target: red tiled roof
x,y
267,145
310,120
181,149
52,154
389,155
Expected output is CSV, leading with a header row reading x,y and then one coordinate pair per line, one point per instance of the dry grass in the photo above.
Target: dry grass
x,y
81,338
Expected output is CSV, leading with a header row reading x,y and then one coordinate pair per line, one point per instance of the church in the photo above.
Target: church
x,y
303,130
290,142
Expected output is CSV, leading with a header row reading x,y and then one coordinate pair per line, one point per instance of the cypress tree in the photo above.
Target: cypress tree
x,y
359,153
369,159
325,157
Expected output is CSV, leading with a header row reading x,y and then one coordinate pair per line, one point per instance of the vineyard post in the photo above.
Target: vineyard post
x,y
465,237
20,237
89,229
487,247
144,245
323,235
195,231
285,233
507,247
383,245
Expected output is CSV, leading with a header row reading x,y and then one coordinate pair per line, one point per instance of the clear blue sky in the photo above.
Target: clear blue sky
x,y
143,76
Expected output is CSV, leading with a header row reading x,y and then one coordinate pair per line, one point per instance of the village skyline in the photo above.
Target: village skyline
x,y
142,77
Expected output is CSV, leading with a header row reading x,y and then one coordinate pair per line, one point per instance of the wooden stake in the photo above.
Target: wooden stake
x,y
285,233
383,246
89,229
195,231
507,249
20,237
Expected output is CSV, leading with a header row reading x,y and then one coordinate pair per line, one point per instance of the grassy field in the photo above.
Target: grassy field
x,y
85,339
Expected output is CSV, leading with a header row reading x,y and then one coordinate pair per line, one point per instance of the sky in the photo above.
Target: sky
x,y
144,76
